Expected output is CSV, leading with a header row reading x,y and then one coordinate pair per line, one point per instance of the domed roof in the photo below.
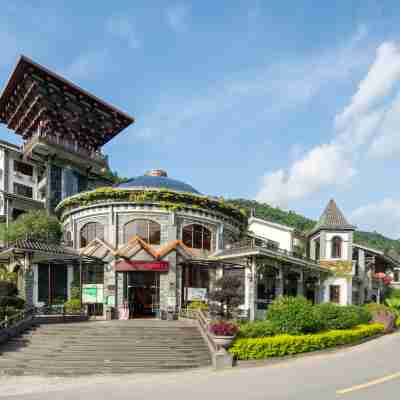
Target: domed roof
x,y
157,179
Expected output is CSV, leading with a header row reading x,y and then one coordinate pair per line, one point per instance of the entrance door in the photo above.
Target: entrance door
x,y
143,293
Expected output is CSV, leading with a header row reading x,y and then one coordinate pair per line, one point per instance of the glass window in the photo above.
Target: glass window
x,y
147,230
91,231
334,294
197,237
23,190
22,168
336,247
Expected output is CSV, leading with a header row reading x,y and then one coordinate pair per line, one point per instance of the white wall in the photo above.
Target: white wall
x,y
16,177
268,230
345,290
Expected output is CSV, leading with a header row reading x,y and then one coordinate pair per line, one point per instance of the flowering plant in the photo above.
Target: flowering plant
x,y
223,328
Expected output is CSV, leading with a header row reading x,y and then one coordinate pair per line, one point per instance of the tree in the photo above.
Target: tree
x,y
35,224
229,293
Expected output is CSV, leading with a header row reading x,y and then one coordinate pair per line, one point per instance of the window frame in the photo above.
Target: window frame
x,y
336,247
149,234
206,236
86,241
21,167
334,297
26,188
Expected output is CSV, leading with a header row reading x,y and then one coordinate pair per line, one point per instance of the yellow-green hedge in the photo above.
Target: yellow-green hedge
x,y
283,345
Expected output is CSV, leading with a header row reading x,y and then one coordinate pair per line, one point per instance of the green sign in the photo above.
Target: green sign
x,y
92,293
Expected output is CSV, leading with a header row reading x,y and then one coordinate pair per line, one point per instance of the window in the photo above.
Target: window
x,y
91,231
22,168
23,190
197,237
147,230
336,247
396,275
334,294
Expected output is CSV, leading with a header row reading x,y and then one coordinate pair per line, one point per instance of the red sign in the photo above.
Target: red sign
x,y
126,266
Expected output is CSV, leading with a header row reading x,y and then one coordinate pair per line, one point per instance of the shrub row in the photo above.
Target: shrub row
x,y
283,345
296,315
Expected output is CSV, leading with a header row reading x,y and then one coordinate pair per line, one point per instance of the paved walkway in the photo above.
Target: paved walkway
x,y
368,371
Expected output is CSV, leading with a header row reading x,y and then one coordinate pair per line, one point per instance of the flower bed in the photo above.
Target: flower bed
x,y
283,345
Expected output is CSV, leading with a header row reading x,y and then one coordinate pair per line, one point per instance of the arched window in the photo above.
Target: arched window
x,y
336,247
146,229
197,237
90,231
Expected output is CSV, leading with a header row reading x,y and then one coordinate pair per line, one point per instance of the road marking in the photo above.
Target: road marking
x,y
371,383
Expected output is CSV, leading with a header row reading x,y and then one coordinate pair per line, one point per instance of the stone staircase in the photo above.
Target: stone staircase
x,y
105,347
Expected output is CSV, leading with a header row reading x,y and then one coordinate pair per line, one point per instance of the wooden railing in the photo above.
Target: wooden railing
x,y
14,319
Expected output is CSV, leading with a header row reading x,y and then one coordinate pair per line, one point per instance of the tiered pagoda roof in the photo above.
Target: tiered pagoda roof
x,y
35,95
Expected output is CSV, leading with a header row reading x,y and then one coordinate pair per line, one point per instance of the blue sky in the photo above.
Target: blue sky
x,y
288,103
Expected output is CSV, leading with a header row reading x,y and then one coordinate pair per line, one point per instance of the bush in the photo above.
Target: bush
x,y
334,316
72,306
8,288
12,301
198,305
283,345
223,328
383,315
293,315
256,329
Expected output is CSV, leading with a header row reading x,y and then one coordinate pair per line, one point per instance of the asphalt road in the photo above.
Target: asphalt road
x,y
369,371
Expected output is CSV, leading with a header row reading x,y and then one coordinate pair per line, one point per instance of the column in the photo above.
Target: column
x,y
300,284
279,283
35,270
70,279
251,281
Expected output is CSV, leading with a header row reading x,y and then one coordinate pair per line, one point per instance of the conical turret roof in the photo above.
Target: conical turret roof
x,y
332,219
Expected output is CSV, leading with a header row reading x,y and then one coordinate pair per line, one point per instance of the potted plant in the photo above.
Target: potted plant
x,y
223,332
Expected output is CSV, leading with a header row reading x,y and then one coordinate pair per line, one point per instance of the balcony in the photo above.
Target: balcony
x,y
49,144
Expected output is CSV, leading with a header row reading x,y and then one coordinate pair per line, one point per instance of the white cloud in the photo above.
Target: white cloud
x,y
366,121
123,29
384,214
177,17
87,65
323,165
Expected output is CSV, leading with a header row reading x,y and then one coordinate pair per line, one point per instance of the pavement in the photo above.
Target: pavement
x,y
368,371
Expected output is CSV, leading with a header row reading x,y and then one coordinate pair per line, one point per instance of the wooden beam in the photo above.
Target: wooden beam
x,y
18,108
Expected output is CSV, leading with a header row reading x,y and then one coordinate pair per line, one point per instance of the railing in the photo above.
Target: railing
x,y
58,309
10,321
71,146
269,245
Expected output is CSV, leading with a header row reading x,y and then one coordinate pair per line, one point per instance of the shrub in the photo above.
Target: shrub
x,y
223,328
12,301
72,306
283,345
8,288
293,315
256,329
334,316
382,314
198,305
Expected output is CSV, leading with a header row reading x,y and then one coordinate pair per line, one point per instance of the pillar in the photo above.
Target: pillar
x,y
279,283
251,281
70,279
300,284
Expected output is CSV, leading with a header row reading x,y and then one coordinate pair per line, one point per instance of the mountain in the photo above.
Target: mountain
x,y
298,221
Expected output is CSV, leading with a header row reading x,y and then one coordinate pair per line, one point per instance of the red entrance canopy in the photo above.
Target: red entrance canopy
x,y
126,266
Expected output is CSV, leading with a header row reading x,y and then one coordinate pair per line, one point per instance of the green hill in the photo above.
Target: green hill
x,y
290,218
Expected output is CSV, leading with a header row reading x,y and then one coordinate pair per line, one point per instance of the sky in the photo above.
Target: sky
x,y
289,103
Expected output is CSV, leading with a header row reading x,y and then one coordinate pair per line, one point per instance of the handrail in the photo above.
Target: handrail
x,y
204,325
19,316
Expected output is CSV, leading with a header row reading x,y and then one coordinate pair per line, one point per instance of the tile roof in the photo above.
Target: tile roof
x,y
332,218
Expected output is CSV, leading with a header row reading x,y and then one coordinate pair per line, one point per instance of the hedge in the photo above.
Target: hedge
x,y
283,345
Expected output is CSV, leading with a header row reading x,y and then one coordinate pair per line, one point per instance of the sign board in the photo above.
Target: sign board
x,y
196,294
111,301
126,266
92,293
